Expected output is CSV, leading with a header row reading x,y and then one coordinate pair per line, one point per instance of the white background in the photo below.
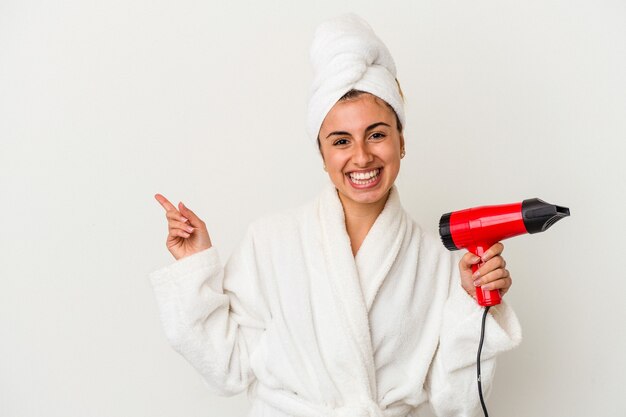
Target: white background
x,y
103,104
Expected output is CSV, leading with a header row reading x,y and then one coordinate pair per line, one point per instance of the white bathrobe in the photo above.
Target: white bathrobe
x,y
312,331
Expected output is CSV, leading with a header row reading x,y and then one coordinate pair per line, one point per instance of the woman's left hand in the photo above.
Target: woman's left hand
x,y
493,275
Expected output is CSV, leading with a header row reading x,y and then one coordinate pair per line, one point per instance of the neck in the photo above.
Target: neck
x,y
360,217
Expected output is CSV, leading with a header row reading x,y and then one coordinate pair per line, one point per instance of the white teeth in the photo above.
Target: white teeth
x,y
364,176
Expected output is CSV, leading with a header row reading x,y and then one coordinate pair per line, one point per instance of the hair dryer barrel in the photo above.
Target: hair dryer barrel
x,y
491,224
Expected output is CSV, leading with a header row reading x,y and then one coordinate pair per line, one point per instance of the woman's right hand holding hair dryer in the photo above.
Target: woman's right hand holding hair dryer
x,y
187,233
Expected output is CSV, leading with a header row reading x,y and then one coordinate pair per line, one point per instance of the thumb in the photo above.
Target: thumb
x,y
193,219
468,260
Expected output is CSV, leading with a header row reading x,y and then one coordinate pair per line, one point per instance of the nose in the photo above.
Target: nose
x,y
362,155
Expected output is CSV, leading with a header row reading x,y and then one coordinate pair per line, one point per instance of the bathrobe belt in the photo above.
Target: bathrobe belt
x,y
299,407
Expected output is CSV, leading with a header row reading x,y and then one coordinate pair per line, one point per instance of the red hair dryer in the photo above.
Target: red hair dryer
x,y
478,228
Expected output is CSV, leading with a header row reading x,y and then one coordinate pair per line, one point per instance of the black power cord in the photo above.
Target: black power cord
x,y
480,348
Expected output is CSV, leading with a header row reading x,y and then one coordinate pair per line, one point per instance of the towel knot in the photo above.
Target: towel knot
x,y
370,409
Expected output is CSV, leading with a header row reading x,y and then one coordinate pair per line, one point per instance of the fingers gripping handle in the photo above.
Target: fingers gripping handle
x,y
484,297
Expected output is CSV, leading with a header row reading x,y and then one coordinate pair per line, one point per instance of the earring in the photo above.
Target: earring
x,y
402,153
325,168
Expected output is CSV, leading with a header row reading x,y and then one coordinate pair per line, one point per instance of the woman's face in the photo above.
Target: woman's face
x,y
361,145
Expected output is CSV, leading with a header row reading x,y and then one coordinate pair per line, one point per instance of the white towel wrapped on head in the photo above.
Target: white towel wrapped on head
x,y
347,55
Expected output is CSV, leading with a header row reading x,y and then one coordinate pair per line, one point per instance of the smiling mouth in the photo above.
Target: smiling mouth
x,y
364,177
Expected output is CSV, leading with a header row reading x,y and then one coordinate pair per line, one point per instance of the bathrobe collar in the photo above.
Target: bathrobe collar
x,y
356,281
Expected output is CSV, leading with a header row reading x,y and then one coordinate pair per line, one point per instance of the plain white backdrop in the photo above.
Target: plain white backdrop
x,y
104,104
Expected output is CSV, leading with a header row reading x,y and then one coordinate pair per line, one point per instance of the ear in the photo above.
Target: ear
x,y
401,140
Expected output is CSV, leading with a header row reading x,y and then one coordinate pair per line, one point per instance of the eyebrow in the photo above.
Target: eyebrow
x,y
370,127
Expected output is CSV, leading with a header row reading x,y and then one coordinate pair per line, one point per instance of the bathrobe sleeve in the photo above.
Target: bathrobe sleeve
x,y
451,382
213,316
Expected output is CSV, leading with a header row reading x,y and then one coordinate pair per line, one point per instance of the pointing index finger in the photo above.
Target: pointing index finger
x,y
164,202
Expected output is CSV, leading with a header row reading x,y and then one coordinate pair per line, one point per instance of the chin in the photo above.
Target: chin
x,y
361,196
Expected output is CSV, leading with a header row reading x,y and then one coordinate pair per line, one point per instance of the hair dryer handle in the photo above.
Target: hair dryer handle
x,y
484,297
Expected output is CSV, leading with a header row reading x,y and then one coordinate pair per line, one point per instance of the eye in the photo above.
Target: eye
x,y
340,142
377,135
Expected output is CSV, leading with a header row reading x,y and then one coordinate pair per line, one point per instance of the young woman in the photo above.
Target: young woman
x,y
343,307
